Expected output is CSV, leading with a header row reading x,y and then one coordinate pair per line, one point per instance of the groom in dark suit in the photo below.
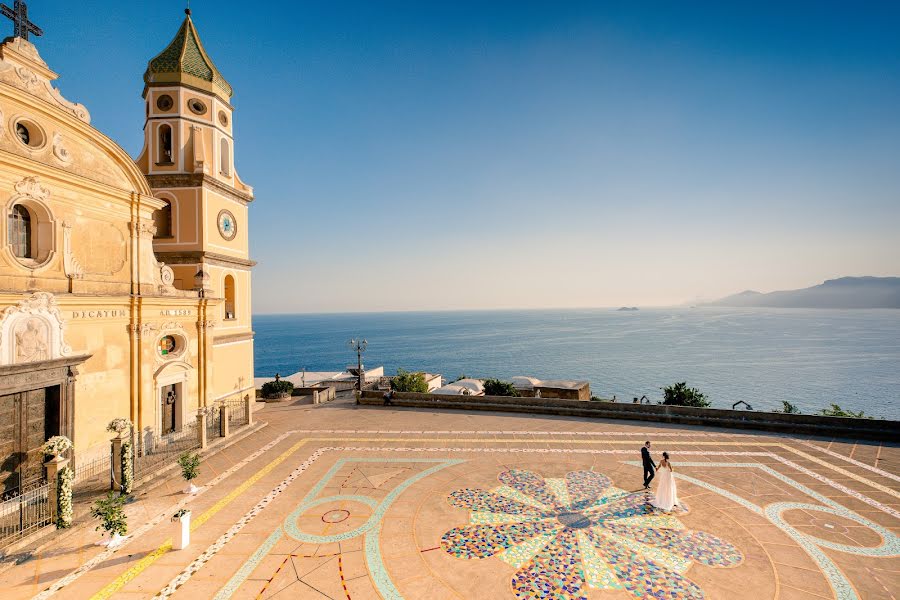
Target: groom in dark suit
x,y
649,468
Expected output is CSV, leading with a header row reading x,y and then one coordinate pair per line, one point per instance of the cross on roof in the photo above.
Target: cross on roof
x,y
18,14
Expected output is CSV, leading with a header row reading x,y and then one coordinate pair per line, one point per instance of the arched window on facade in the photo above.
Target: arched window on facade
x,y
162,219
230,307
225,157
19,228
165,144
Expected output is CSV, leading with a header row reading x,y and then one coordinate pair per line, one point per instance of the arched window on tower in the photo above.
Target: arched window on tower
x,y
19,228
230,309
162,219
165,145
225,158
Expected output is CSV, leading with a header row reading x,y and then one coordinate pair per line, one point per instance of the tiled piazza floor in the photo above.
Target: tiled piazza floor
x,y
347,502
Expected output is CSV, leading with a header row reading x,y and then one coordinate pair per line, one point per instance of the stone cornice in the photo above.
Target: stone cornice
x,y
46,372
191,257
185,180
234,337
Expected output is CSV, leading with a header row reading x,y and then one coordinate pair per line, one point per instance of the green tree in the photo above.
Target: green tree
x,y
837,411
405,381
495,387
680,394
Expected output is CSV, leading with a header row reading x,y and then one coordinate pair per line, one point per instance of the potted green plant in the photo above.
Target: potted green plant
x,y
181,534
190,465
111,511
277,390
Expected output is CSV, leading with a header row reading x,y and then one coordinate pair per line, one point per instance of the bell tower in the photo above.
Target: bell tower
x,y
202,234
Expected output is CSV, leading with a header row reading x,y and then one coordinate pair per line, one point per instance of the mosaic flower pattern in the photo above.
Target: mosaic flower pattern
x,y
565,535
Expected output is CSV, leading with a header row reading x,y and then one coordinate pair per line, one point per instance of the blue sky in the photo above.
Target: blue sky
x,y
458,155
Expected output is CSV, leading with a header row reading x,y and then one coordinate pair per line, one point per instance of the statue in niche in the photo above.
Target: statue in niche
x,y
31,341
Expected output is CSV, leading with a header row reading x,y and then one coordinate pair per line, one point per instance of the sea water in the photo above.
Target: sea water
x,y
811,358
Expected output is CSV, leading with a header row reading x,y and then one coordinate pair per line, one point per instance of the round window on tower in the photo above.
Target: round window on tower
x,y
197,107
223,118
165,103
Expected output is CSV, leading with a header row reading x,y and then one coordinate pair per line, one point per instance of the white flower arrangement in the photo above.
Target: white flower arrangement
x,y
118,425
56,445
64,481
127,467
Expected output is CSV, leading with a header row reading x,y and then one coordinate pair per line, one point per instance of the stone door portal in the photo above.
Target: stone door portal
x,y
168,399
27,419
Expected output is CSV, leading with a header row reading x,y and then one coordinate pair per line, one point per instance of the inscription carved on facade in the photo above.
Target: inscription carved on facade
x,y
99,313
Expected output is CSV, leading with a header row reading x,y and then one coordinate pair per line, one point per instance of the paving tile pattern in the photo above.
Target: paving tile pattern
x,y
397,503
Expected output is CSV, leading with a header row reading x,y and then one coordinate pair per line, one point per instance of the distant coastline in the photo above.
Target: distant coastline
x,y
842,293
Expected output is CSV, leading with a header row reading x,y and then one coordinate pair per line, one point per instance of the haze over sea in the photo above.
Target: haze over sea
x,y
762,356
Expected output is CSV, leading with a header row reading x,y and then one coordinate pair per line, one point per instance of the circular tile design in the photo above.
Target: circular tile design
x,y
335,516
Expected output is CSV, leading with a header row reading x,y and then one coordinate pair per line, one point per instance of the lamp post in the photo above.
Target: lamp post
x,y
359,344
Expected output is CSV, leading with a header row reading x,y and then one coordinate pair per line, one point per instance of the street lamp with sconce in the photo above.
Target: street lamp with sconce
x,y
359,344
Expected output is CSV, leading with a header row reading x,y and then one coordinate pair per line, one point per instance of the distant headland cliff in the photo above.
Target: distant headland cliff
x,y
845,292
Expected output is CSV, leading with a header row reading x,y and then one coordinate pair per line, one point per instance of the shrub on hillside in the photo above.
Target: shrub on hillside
x,y
405,381
680,394
495,387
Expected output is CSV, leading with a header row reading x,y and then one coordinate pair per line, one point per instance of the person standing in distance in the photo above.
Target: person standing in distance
x,y
649,468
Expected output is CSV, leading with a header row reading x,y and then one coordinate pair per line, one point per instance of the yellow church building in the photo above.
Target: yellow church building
x,y
124,284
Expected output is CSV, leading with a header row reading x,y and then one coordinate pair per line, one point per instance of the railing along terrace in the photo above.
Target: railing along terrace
x,y
237,412
156,450
24,513
93,476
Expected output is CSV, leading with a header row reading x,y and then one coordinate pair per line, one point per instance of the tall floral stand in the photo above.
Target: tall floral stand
x,y
54,466
181,531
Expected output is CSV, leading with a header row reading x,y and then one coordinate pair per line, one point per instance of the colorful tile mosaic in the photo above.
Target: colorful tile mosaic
x,y
594,535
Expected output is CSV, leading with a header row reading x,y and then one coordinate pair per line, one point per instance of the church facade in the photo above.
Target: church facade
x,y
124,283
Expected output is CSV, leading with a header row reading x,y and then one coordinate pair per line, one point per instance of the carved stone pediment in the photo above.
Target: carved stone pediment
x,y
32,331
21,66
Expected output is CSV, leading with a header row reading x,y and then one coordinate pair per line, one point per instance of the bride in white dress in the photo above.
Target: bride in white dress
x,y
666,493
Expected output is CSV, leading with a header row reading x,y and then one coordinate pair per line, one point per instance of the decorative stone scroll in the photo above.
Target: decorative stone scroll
x,y
32,331
60,151
142,229
140,330
22,67
74,269
30,187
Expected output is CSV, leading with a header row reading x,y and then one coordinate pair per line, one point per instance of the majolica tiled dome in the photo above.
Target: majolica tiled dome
x,y
185,61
